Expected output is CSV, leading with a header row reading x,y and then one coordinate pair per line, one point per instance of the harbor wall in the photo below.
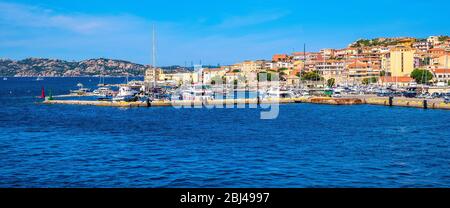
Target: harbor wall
x,y
384,101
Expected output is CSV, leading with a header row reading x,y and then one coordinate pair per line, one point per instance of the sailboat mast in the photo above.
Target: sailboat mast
x,y
154,58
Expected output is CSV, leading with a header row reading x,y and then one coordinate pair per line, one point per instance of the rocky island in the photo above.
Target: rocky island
x,y
33,67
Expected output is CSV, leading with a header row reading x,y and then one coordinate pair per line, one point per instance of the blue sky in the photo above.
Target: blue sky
x,y
211,31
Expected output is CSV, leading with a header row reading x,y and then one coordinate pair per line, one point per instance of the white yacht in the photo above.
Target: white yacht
x,y
197,93
125,94
103,91
279,93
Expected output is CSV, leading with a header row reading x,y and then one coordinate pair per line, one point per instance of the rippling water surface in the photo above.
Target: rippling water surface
x,y
307,146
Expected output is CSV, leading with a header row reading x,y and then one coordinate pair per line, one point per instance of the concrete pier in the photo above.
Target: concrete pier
x,y
354,100
318,100
408,102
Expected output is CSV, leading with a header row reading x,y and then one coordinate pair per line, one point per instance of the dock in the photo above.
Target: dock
x,y
355,100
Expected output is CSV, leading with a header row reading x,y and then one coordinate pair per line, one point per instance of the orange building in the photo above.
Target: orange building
x,y
280,57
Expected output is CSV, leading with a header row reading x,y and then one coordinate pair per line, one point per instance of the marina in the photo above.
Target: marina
x,y
138,94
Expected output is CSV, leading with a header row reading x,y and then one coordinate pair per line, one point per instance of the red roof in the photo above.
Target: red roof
x,y
300,53
358,65
396,79
277,57
441,71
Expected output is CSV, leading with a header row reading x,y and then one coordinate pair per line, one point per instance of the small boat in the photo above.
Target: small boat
x,y
4,78
39,79
126,94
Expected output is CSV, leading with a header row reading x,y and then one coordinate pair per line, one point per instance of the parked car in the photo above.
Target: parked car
x,y
410,94
436,95
384,94
397,94
446,100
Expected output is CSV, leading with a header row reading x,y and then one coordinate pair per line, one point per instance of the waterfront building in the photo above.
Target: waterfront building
x,y
444,61
248,67
358,71
182,78
401,61
442,75
210,74
152,75
292,80
395,81
332,69
231,76
385,62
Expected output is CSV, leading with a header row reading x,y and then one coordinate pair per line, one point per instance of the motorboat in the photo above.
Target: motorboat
x,y
126,94
279,93
103,91
197,93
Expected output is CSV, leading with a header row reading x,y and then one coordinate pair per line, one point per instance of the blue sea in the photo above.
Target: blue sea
x,y
306,146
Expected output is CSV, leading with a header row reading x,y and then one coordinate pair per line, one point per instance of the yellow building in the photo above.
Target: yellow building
x,y
247,67
444,61
183,78
153,75
213,73
401,61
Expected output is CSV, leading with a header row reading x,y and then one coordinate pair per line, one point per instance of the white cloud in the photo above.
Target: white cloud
x,y
31,16
250,20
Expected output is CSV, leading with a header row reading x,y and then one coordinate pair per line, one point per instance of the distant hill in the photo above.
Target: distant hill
x,y
54,67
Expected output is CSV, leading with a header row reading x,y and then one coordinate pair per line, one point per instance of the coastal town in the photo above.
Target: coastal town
x,y
383,61
416,72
